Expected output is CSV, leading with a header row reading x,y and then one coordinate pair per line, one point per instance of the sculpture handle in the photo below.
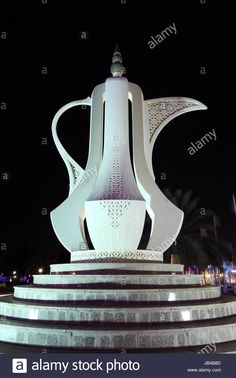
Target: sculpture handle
x,y
75,171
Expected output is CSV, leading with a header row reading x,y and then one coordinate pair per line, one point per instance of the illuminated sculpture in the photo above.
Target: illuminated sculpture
x,y
117,296
114,201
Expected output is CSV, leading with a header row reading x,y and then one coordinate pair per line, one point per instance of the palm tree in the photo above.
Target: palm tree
x,y
192,248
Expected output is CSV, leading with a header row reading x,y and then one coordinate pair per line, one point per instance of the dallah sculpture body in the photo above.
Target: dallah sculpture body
x,y
114,199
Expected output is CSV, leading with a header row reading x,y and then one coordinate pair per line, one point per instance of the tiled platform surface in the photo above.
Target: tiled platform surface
x,y
129,314
121,279
215,331
150,267
121,295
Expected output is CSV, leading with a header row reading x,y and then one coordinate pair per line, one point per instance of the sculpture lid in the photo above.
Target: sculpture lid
x,y
117,68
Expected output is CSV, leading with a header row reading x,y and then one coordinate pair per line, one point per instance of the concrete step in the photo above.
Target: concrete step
x,y
219,348
134,279
10,307
120,295
147,336
117,268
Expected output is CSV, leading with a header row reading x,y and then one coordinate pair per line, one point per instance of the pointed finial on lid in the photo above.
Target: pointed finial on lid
x,y
117,68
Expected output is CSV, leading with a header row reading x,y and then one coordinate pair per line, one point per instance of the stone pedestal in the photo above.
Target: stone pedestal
x,y
115,306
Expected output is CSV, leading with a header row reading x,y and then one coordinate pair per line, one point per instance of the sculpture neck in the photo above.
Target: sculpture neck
x,y
116,178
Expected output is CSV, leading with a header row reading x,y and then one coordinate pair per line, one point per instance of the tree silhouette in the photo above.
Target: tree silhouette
x,y
191,246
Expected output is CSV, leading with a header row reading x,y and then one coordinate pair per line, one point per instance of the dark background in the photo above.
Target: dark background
x,y
48,34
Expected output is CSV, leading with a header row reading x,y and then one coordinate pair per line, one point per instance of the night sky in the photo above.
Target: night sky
x,y
45,63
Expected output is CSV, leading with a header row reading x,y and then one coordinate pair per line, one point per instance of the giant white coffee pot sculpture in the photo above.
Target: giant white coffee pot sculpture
x,y
111,193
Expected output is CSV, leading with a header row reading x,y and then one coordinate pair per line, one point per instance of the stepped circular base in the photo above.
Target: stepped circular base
x,y
111,306
150,267
136,295
116,256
